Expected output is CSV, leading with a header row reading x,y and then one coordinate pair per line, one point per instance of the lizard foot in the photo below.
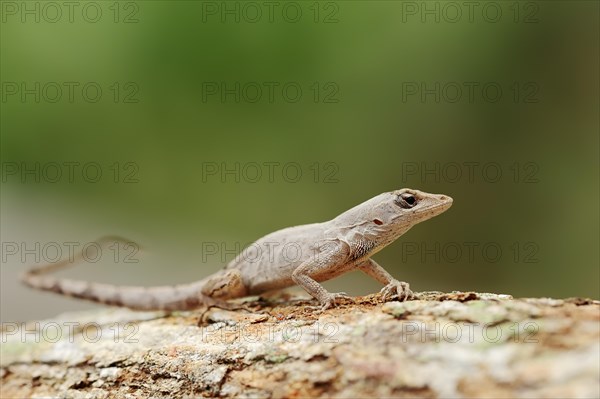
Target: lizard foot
x,y
330,300
397,289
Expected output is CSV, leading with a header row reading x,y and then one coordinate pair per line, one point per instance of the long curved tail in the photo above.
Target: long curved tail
x,y
175,297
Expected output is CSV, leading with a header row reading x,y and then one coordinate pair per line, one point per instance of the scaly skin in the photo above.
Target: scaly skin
x,y
302,255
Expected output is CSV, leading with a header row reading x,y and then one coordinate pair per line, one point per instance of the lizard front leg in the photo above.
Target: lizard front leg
x,y
393,288
323,265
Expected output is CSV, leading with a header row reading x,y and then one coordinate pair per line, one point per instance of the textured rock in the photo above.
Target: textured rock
x,y
440,345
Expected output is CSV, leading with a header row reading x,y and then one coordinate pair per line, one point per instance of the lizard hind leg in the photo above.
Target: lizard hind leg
x,y
225,285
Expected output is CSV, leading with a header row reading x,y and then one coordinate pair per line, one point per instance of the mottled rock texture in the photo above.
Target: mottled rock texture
x,y
440,345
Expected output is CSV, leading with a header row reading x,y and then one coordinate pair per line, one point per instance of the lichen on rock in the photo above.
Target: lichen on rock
x,y
438,345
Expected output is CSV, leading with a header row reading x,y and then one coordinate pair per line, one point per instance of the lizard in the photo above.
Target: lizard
x,y
321,251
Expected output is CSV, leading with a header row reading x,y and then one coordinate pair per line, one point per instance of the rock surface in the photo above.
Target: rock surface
x,y
439,345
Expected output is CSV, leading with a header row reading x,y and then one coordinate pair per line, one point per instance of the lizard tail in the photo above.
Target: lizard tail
x,y
176,297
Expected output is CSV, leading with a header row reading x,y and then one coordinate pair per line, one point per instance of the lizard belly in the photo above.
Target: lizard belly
x,y
280,277
268,263
271,270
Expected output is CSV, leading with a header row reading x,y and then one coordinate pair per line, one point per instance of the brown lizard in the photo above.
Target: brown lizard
x,y
320,251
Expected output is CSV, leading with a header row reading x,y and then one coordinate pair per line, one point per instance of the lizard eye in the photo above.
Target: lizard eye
x,y
406,200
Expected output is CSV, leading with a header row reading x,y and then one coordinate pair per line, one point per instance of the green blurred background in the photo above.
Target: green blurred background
x,y
364,121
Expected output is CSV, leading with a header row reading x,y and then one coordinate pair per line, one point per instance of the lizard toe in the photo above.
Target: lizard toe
x,y
331,300
396,290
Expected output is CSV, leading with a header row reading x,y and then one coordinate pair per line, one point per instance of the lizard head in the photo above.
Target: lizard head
x,y
370,226
387,216
402,209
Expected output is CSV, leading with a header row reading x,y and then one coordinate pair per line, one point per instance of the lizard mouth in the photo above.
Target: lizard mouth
x,y
427,211
439,207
